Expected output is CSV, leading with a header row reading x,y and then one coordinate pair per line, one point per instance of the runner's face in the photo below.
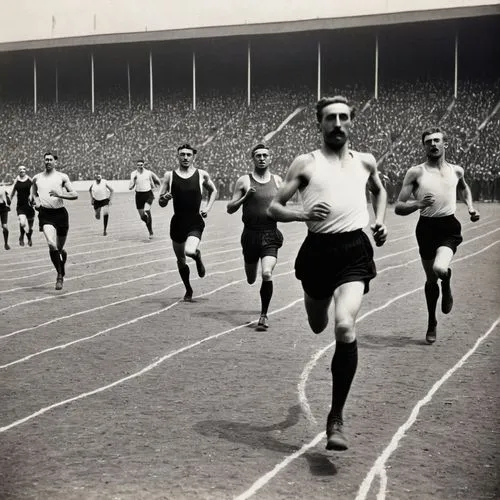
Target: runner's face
x,y
22,171
186,158
335,124
50,162
434,145
261,158
98,177
140,166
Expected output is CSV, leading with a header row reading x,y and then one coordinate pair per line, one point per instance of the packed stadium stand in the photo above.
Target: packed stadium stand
x,y
415,88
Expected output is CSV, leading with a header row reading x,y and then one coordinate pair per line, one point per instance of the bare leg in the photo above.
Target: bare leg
x,y
268,263
191,250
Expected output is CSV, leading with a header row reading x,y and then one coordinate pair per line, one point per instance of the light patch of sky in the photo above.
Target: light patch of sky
x,y
36,19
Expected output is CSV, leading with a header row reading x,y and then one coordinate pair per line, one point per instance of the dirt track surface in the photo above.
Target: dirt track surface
x,y
129,393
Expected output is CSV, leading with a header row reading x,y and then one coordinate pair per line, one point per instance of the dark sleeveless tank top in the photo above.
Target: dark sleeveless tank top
x,y
186,194
255,208
23,189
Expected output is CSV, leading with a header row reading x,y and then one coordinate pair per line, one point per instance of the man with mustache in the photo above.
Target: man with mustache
x,y
261,237
335,261
433,185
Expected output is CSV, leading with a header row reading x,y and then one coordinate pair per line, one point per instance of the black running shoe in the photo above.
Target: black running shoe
x,y
430,336
59,282
335,437
263,324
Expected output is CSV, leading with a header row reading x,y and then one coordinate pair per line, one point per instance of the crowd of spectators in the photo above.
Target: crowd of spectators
x,y
224,129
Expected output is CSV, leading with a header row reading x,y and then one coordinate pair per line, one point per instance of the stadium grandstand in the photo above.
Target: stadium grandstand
x,y
104,100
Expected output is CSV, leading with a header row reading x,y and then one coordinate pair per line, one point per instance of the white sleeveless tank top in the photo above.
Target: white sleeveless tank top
x,y
442,183
99,190
46,183
343,187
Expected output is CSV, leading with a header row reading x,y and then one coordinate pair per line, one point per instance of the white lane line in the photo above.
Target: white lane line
x,y
86,263
270,475
379,464
314,359
263,480
109,285
102,332
144,370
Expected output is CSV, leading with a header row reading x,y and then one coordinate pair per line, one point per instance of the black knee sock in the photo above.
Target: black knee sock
x,y
55,257
431,298
344,364
266,293
184,272
64,258
105,220
149,221
21,231
5,235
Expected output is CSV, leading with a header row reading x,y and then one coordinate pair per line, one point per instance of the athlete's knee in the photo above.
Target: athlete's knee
x,y
267,275
439,270
344,330
52,246
181,262
191,253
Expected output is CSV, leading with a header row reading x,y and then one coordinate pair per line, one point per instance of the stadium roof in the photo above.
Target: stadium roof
x,y
50,24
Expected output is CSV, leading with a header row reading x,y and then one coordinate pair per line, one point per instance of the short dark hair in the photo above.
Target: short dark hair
x,y
259,146
140,160
48,153
326,101
433,130
187,146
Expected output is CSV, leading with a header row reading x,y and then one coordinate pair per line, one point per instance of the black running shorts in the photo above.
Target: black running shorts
x,y
182,227
258,243
57,217
326,261
27,210
435,232
143,197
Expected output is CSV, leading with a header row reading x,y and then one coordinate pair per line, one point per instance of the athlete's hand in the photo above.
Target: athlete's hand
x,y
379,232
203,213
54,193
474,215
164,199
319,211
427,200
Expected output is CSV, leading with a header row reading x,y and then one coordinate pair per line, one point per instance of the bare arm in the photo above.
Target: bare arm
x,y
293,180
242,192
465,193
405,206
91,197
379,201
14,189
133,178
34,193
156,179
111,191
210,187
70,193
165,194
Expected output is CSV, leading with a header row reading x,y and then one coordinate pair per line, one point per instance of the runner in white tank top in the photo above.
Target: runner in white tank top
x,y
144,181
336,258
433,185
100,198
48,190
